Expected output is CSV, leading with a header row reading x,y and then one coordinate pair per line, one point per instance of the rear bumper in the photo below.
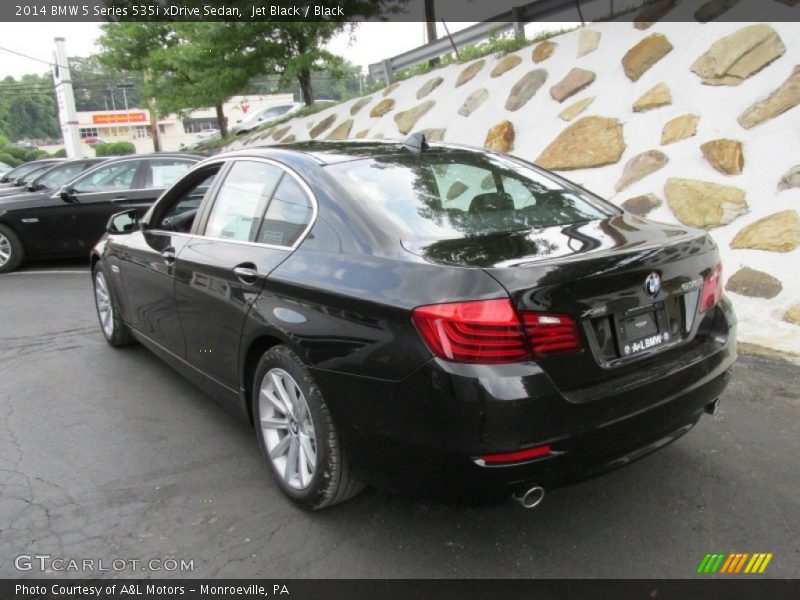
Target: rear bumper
x,y
423,434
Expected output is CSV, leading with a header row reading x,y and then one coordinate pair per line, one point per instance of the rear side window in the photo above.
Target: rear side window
x,y
240,202
452,196
287,216
164,172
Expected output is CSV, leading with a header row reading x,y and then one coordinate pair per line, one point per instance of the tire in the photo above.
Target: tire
x,y
114,329
307,425
12,254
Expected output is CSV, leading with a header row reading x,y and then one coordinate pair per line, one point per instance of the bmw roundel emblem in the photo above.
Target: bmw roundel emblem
x,y
652,284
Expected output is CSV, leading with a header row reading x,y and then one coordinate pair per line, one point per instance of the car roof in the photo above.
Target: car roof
x,y
327,153
164,155
152,155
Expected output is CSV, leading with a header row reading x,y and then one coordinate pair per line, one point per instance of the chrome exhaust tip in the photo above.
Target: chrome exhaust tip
x,y
711,407
530,498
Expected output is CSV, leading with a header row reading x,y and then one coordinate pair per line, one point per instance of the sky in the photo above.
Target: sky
x,y
36,40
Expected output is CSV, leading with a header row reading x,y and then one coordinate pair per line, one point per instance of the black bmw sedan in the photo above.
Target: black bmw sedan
x,y
442,320
52,177
18,178
65,216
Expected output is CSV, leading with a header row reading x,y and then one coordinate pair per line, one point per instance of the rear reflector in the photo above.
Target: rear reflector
x,y
512,457
712,289
491,332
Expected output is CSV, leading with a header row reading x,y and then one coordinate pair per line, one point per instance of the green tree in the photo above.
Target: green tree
x,y
188,65
28,108
293,50
97,87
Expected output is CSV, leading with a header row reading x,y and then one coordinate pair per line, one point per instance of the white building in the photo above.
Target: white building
x,y
133,124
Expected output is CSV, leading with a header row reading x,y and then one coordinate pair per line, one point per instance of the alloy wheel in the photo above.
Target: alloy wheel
x,y
288,429
5,250
105,310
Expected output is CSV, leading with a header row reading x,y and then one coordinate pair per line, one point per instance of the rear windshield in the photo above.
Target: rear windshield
x,y
455,195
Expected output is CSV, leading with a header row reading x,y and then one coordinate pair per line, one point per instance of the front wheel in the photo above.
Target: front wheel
x,y
114,329
11,251
297,434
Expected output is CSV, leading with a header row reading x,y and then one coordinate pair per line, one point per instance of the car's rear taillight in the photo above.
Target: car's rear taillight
x,y
712,289
491,332
479,332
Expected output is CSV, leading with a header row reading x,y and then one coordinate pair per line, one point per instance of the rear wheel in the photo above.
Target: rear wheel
x,y
11,251
114,329
297,434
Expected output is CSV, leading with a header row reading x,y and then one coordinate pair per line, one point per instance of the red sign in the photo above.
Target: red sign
x,y
105,118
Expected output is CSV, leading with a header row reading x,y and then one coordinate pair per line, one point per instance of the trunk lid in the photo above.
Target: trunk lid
x,y
598,272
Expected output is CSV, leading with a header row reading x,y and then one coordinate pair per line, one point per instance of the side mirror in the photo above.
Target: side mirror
x,y
67,194
126,221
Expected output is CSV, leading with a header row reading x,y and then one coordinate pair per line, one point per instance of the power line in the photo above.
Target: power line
x,y
47,62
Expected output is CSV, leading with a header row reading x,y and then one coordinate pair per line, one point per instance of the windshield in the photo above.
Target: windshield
x,y
22,170
449,196
266,114
31,175
58,175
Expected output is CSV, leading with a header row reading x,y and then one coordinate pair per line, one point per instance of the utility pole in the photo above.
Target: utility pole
x,y
65,98
151,108
125,87
114,110
430,27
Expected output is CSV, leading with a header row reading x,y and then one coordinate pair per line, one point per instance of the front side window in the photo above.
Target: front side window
x,y
114,177
240,202
184,202
59,175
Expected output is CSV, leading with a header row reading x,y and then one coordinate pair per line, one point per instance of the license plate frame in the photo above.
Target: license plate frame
x,y
642,329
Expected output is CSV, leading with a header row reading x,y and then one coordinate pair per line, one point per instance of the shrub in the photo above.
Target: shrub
x,y
16,152
60,153
115,149
8,159
35,155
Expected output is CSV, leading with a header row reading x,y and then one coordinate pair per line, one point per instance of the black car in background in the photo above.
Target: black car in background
x,y
25,173
53,177
439,319
69,220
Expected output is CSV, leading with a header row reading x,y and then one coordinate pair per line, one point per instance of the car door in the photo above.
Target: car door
x,y
115,186
78,214
146,259
258,213
154,175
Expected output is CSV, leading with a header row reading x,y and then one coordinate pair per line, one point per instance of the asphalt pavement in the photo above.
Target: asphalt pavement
x,y
109,454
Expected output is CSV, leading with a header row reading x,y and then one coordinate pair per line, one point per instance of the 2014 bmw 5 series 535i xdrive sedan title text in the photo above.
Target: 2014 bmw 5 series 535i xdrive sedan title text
x,y
439,319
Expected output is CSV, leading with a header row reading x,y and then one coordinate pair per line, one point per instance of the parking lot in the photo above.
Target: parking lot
x,y
109,454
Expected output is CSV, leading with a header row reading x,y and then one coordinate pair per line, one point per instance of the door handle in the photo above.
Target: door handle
x,y
119,199
246,273
168,255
